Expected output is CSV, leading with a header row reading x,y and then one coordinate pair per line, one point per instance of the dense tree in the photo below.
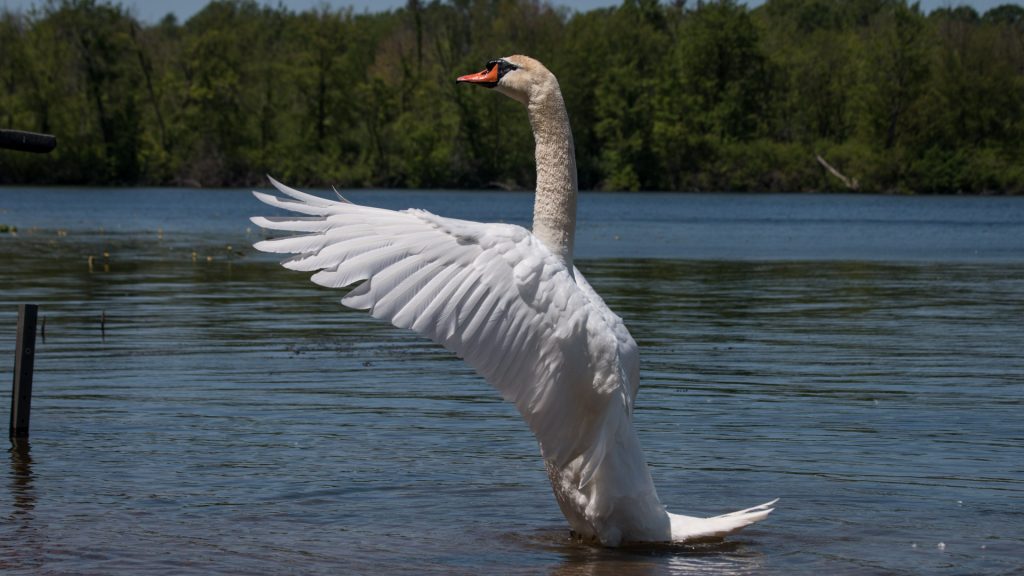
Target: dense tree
x,y
705,95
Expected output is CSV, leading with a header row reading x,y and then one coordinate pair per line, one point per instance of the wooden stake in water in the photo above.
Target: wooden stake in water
x,y
24,360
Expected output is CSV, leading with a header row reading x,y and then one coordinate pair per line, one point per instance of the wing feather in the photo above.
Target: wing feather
x,y
491,293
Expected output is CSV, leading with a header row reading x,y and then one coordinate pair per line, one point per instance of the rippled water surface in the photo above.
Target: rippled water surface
x,y
859,357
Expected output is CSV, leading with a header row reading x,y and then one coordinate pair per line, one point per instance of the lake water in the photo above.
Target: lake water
x,y
859,357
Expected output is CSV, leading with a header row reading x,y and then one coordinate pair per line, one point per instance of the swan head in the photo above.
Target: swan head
x,y
519,77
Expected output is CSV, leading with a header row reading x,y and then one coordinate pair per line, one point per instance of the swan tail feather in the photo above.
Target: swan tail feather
x,y
691,529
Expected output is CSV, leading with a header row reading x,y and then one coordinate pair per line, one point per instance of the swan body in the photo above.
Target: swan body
x,y
510,302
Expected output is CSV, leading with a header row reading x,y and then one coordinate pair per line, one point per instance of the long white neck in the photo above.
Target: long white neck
x,y
554,209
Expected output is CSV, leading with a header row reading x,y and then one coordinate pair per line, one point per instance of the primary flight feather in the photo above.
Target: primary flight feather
x,y
510,302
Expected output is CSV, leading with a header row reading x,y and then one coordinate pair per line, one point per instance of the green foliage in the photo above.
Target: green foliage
x,y
707,95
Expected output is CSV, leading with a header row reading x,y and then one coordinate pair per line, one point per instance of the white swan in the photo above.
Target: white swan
x,y
513,306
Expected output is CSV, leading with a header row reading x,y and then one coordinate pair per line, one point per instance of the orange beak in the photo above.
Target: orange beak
x,y
487,77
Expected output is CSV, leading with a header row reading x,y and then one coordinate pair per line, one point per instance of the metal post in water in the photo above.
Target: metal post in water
x,y
24,360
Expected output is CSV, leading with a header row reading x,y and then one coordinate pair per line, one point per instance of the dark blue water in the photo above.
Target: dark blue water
x,y
640,225
859,357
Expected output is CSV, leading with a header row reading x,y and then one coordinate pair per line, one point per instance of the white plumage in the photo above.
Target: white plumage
x,y
490,293
511,304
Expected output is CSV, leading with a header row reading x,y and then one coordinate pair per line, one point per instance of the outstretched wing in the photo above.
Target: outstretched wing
x,y
491,293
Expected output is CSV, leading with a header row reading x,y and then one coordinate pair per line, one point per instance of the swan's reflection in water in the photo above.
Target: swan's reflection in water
x,y
729,558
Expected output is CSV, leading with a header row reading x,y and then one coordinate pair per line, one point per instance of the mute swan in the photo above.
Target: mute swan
x,y
512,305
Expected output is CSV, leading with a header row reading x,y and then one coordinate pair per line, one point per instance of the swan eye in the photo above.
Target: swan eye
x,y
504,67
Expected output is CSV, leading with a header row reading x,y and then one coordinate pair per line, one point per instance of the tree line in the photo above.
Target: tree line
x,y
794,95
